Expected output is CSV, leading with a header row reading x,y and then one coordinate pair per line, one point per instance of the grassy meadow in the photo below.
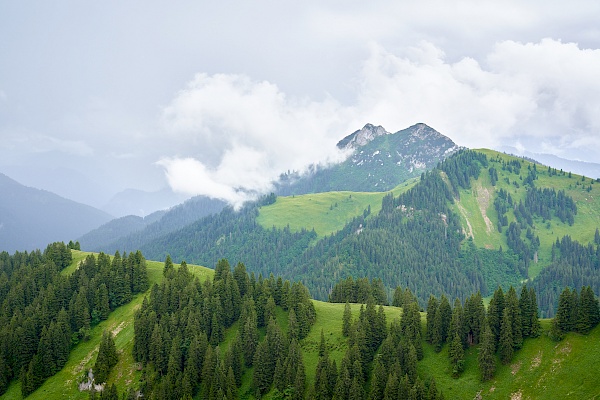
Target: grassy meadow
x,y
326,213
475,206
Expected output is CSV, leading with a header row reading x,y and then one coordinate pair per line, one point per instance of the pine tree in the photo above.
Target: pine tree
x,y
432,307
512,304
505,345
495,311
456,354
534,317
107,357
485,357
347,320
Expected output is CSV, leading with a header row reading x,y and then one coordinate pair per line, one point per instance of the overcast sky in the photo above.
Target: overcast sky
x,y
220,97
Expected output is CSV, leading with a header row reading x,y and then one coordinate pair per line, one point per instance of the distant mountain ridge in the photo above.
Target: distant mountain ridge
x,y
379,161
131,232
589,169
31,218
142,203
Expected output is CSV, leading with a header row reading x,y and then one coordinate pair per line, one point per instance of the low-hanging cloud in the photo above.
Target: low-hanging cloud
x,y
241,135
237,135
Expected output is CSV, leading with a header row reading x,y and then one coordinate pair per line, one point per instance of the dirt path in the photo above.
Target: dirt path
x,y
483,197
464,214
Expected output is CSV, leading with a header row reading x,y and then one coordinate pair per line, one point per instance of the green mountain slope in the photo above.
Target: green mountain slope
x,y
542,369
326,213
442,235
480,220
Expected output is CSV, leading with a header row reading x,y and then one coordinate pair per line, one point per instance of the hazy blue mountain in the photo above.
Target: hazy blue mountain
x,y
591,170
379,161
132,232
31,218
142,203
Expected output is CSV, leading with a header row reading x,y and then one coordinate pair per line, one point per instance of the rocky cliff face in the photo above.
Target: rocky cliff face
x,y
361,137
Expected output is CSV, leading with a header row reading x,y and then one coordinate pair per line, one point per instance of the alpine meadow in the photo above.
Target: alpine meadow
x,y
415,269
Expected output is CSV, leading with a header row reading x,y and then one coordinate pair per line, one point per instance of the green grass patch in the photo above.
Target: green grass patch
x,y
326,213
542,369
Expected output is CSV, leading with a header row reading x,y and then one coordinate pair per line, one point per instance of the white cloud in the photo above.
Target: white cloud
x,y
544,90
235,135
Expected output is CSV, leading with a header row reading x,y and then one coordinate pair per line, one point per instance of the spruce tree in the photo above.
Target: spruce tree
x,y
391,387
432,306
485,357
525,308
107,357
378,381
564,313
505,345
445,316
346,320
512,304
495,310
456,354
534,317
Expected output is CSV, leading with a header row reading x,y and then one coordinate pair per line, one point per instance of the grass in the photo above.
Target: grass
x,y
326,213
542,369
472,201
64,384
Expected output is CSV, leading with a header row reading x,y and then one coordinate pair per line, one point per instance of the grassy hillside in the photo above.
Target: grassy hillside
x,y
479,218
543,369
324,212
63,385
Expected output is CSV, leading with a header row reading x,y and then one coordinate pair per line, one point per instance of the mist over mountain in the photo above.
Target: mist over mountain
x,y
131,232
141,202
378,161
31,218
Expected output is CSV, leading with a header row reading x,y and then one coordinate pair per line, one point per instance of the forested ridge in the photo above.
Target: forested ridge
x,y
239,335
45,313
417,240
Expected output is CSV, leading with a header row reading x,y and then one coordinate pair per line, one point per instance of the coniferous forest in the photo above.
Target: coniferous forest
x,y
183,349
417,240
45,313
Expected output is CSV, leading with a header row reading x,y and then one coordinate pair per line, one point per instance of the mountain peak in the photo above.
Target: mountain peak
x,y
362,136
423,131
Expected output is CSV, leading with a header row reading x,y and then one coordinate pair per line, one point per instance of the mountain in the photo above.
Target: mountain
x,y
478,220
142,203
131,232
588,169
378,161
31,218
